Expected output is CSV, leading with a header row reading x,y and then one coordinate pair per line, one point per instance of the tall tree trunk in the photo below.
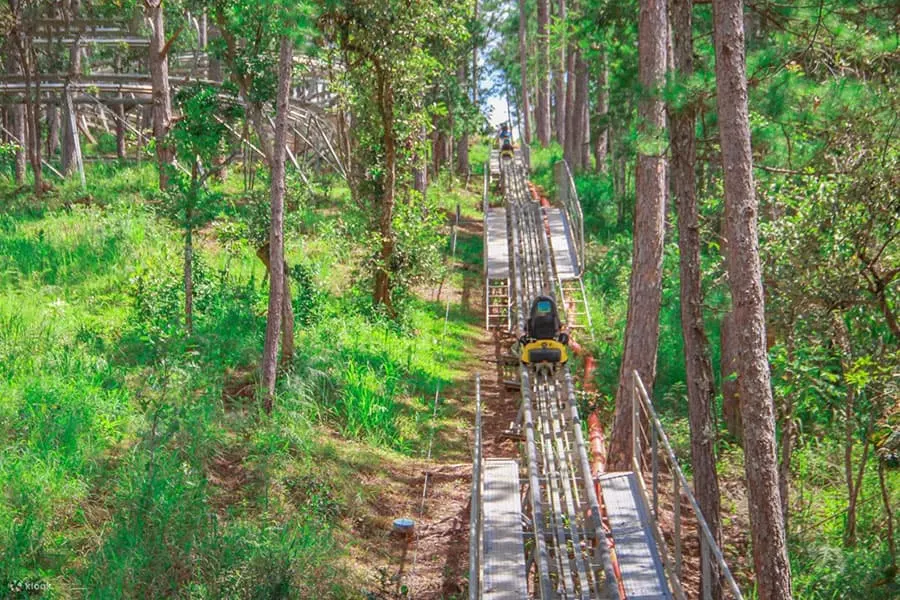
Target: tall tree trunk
x,y
462,155
701,391
287,308
437,148
120,118
69,156
886,501
52,129
571,122
586,127
120,130
17,112
728,366
842,343
579,109
787,443
287,320
276,231
645,289
475,60
21,132
601,140
560,80
420,163
214,66
189,259
853,487
159,79
784,464
619,175
770,558
543,85
27,62
382,293
462,144
33,118
523,67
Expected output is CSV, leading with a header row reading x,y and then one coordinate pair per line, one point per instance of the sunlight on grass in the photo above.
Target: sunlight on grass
x,y
120,437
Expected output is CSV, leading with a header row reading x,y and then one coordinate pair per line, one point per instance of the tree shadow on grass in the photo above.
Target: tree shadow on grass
x,y
54,263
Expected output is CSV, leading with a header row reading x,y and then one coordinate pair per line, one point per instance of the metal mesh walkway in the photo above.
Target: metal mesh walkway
x,y
629,520
561,241
497,242
504,548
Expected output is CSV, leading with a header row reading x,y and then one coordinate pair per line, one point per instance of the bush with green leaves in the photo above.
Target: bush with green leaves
x,y
8,153
106,143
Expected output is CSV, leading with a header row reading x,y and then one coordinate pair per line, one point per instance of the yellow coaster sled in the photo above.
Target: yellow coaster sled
x,y
544,352
544,342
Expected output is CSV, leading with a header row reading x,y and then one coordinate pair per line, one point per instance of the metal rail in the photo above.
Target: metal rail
x,y
534,487
642,406
564,504
475,528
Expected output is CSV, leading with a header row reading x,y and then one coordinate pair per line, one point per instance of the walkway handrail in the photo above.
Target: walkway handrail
x,y
641,401
484,186
568,196
475,510
484,228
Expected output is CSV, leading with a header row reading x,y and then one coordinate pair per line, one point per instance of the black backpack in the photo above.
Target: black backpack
x,y
543,323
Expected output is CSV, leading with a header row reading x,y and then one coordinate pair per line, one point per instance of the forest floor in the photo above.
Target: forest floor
x,y
435,492
433,563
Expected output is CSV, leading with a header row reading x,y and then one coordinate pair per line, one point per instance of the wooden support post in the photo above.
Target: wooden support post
x,y
76,142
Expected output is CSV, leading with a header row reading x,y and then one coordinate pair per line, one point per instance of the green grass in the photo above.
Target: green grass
x,y
133,459
479,155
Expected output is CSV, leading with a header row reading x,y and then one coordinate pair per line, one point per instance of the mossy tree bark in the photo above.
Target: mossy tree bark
x,y
645,288
698,365
523,67
770,558
276,230
159,79
542,116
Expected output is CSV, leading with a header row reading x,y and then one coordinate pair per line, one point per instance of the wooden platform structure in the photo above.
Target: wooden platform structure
x,y
116,90
498,309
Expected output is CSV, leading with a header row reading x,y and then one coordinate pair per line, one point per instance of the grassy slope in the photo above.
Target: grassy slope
x,y
134,462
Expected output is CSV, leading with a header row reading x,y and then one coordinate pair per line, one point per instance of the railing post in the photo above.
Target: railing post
x,y
676,504
655,462
705,583
635,419
475,510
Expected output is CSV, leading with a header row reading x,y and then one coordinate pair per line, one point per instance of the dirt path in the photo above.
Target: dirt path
x,y
433,565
